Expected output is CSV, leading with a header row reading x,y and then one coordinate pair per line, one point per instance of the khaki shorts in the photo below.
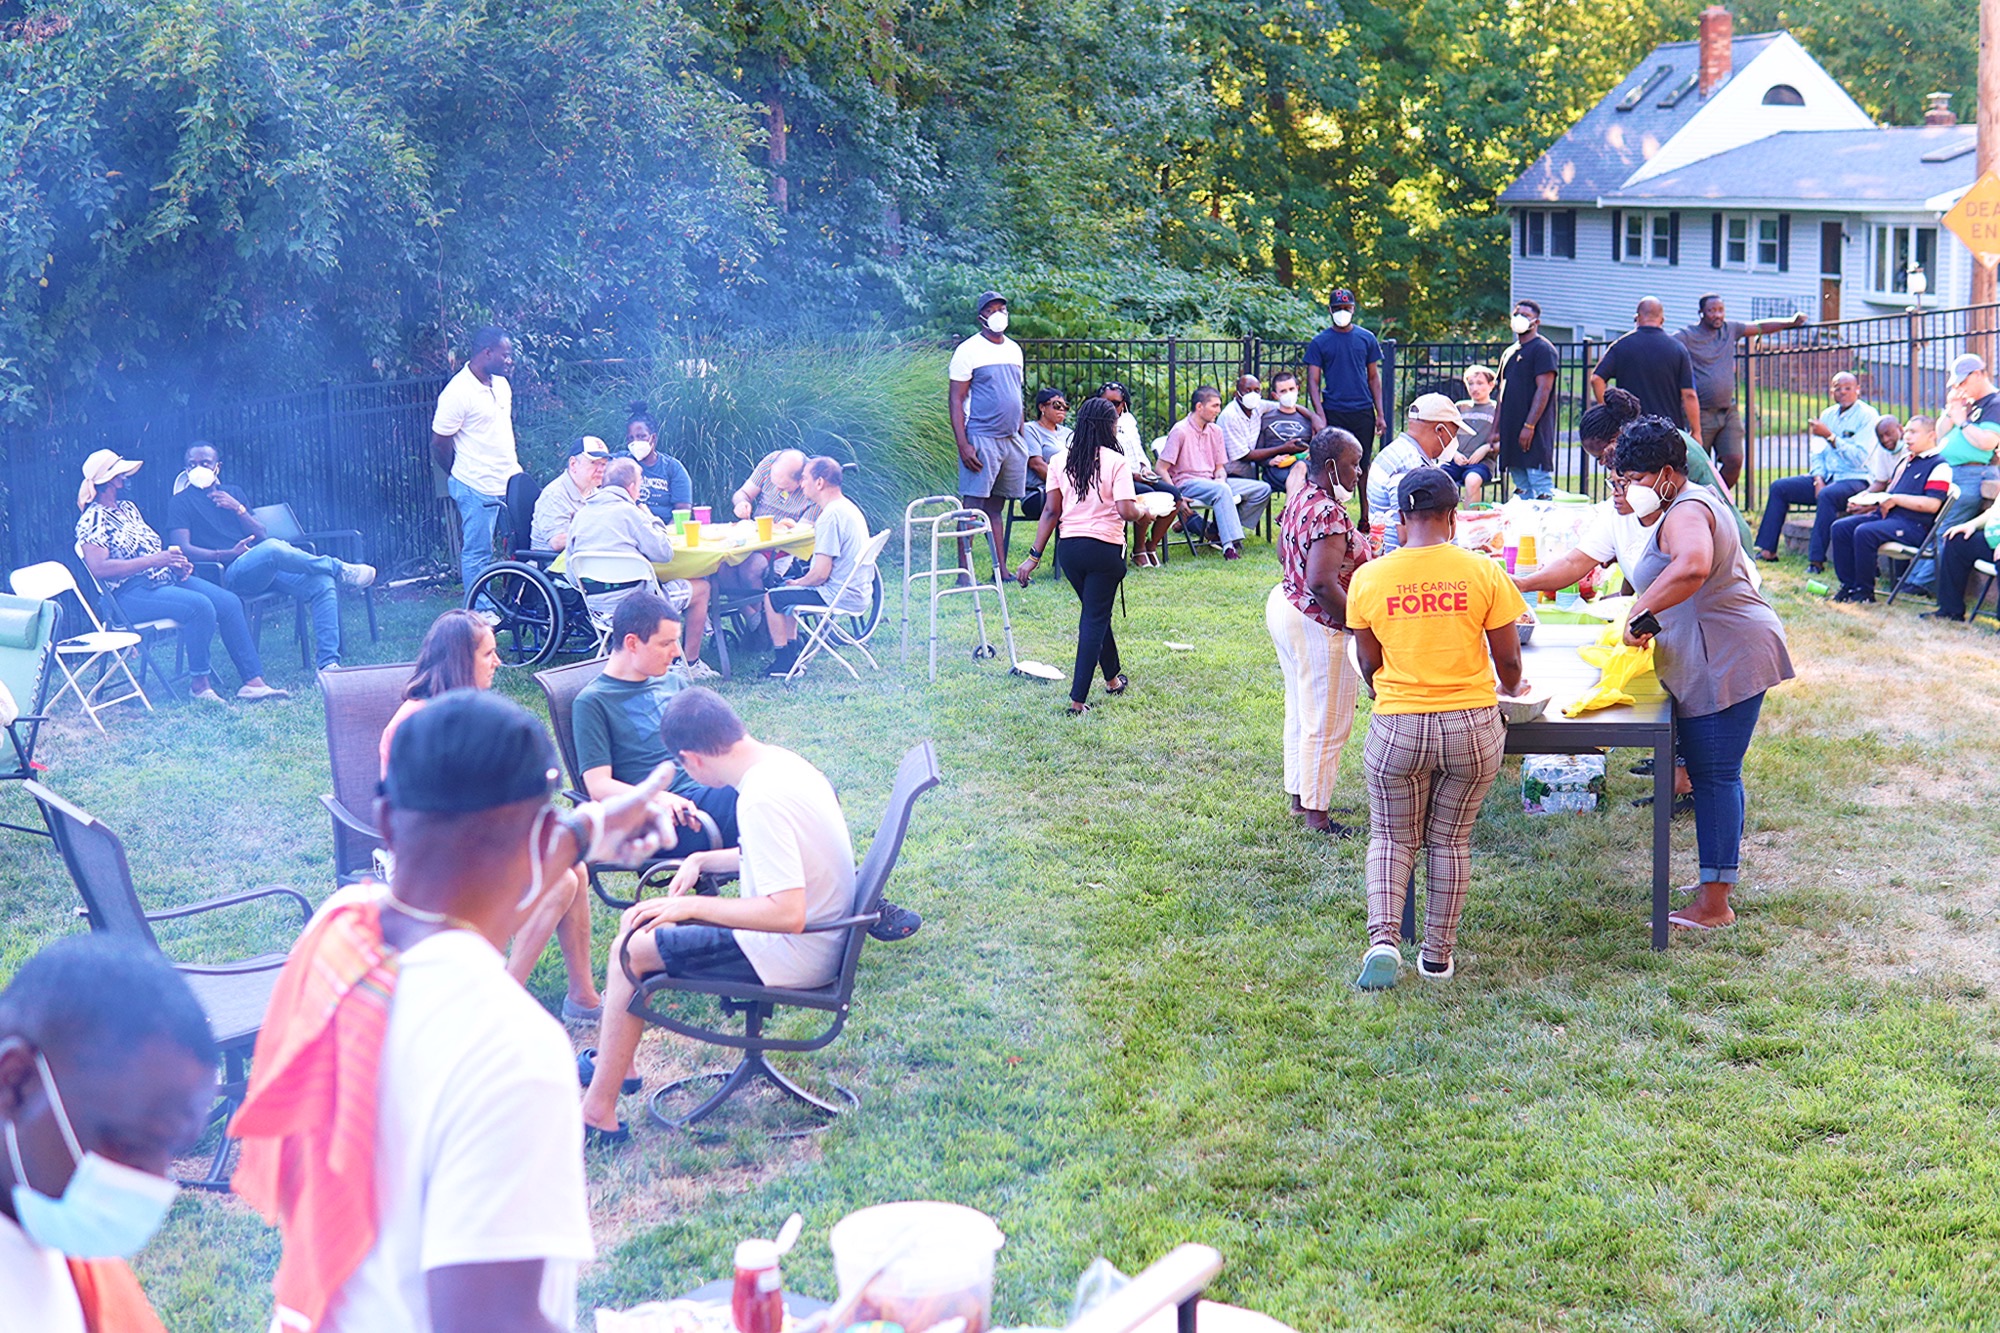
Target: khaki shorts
x,y
1722,434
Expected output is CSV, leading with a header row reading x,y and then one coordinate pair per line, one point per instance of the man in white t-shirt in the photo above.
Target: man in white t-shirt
x,y
797,868
472,439
107,1072
839,534
984,401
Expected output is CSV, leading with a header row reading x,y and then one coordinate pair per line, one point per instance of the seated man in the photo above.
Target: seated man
x,y
1283,434
1837,469
667,484
838,536
613,520
797,869
1431,429
776,490
1902,513
561,498
1195,459
210,520
1046,437
104,1054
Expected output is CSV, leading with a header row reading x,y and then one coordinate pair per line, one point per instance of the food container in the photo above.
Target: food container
x,y
940,1264
1554,784
1525,626
1527,708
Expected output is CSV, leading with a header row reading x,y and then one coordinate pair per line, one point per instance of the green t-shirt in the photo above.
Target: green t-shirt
x,y
1701,471
617,723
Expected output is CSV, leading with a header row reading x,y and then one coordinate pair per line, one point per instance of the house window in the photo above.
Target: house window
x,y
1650,238
1783,94
1893,249
1550,233
1750,242
1767,242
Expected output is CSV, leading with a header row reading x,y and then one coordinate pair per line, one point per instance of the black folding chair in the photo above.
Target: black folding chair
x,y
233,995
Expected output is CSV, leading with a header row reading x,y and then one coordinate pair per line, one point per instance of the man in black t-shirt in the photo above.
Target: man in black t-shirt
x,y
1283,433
211,522
1527,431
1652,366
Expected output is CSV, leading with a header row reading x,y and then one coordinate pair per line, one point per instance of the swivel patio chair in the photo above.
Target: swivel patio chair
x,y
98,647
917,774
27,643
233,995
342,543
359,703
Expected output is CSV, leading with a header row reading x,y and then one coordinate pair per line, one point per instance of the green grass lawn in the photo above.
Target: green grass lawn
x,y
1128,1020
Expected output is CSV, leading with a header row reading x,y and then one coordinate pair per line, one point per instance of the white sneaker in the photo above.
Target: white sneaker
x,y
356,576
255,692
1379,967
699,670
1425,969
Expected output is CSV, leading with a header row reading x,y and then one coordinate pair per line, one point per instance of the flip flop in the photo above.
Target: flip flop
x,y
1118,685
1686,923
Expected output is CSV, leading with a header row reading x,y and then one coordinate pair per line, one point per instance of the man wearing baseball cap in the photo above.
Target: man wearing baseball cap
x,y
561,498
984,400
1433,624
1344,378
1434,423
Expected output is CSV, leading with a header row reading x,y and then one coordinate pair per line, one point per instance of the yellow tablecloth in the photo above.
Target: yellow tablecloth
x,y
726,544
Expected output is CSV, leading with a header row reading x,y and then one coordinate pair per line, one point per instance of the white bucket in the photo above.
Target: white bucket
x,y
943,1267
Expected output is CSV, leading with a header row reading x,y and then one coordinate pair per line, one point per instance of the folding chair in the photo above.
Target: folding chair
x,y
1926,549
97,646
233,995
154,633
1993,587
27,642
1173,1281
917,774
620,571
359,703
282,524
830,630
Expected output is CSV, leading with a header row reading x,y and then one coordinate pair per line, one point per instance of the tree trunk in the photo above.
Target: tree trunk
x,y
775,148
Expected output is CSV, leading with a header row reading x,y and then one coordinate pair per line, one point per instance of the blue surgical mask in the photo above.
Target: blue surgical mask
x,y
107,1211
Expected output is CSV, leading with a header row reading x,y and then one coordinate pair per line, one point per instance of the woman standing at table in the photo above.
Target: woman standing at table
x,y
1717,645
1319,549
1090,501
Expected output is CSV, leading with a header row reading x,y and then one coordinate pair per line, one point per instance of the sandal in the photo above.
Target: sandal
x,y
1076,710
586,1070
1117,684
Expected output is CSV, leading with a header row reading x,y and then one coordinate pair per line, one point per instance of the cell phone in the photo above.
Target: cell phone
x,y
1644,623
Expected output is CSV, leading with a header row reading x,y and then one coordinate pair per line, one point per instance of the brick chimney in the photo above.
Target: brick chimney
x,y
1717,31
1937,110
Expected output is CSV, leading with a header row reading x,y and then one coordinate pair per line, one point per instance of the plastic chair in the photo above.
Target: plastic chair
x,y
961,525
1926,549
1175,1279
831,627
1992,587
97,646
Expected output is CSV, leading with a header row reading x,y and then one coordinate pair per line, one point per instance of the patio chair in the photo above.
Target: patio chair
x,y
1992,589
233,995
560,686
97,646
359,703
917,774
831,630
343,543
154,633
27,641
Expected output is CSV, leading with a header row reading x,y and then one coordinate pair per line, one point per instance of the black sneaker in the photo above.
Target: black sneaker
x,y
1940,615
781,665
1819,568
896,923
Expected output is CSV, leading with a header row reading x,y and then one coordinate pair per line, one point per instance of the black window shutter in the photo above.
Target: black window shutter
x,y
1715,240
1784,242
1674,238
1617,234
1521,230
1562,234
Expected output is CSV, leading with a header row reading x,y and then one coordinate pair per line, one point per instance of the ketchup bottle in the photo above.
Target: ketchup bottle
x,y
758,1302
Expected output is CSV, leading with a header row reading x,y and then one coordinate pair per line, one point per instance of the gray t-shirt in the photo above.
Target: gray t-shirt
x,y
1713,352
839,533
994,370
1044,444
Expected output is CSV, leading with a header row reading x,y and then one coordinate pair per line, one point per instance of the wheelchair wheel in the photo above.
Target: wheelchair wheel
x,y
530,611
863,624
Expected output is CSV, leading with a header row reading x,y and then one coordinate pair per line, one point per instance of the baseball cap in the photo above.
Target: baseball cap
x,y
1341,296
1422,490
589,444
986,299
1435,407
466,751
1967,364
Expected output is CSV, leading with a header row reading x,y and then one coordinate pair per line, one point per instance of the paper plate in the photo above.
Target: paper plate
x,y
1038,670
1157,503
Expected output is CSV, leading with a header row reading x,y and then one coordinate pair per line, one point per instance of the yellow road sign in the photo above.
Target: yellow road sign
x,y
1976,219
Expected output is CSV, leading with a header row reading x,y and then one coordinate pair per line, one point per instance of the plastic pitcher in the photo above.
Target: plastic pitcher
x,y
940,1263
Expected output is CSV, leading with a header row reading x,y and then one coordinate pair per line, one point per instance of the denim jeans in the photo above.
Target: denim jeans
x,y
1222,497
1829,503
1537,483
313,579
1712,746
201,608
1858,537
478,514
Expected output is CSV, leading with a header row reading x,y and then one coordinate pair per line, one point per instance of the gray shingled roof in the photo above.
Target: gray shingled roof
x,y
1876,166
1608,145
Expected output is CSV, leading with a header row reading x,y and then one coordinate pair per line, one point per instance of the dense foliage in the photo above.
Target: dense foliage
x,y
201,195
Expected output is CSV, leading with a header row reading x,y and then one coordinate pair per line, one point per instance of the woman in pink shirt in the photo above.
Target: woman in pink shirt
x,y
1090,501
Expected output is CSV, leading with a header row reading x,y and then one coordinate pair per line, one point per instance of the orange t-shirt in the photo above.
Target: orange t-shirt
x,y
1430,607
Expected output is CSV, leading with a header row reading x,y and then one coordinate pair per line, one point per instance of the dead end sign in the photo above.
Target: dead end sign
x,y
1976,219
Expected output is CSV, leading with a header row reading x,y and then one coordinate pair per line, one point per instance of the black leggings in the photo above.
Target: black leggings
x,y
1094,568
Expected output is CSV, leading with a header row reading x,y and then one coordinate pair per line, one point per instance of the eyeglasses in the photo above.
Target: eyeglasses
x,y
1621,483
1059,405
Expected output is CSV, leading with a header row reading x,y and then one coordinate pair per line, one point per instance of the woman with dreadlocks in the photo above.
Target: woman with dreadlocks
x,y
1090,501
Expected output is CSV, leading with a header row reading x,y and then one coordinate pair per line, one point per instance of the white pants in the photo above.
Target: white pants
x,y
1321,687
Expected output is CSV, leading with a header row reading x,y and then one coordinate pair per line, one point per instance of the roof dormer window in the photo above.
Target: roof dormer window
x,y
1783,94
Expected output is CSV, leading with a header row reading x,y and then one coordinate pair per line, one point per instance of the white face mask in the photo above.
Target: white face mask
x,y
1342,318
1252,402
1645,501
1520,324
996,322
1341,495
201,478
1288,398
640,449
535,885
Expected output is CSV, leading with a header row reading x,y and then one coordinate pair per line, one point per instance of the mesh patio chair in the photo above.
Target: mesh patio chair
x,y
233,995
342,543
97,647
917,774
560,686
359,703
27,643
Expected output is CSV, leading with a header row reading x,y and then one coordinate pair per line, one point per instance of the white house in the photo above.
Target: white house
x,y
1737,165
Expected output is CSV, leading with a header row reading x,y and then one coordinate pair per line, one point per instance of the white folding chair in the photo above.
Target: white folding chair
x,y
829,632
609,567
97,646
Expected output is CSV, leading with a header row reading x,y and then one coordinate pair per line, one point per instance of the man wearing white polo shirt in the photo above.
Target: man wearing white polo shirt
x,y
472,438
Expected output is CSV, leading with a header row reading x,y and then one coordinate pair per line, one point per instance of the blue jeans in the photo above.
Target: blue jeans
x,y
1712,746
478,514
1222,496
1536,483
312,579
201,608
1968,477
1829,503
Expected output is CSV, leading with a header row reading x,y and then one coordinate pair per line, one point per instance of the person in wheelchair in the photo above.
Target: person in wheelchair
x,y
613,520
838,536
561,498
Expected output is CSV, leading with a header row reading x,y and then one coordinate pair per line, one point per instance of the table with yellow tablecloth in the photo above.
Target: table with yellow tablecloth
x,y
726,544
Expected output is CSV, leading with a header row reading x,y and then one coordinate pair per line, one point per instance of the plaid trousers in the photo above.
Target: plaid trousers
x,y
1427,774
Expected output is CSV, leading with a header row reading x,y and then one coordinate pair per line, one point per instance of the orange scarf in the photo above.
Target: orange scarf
x,y
111,1299
308,1120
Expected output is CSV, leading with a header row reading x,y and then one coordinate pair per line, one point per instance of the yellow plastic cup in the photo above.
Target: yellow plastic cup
x,y
764,528
692,532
